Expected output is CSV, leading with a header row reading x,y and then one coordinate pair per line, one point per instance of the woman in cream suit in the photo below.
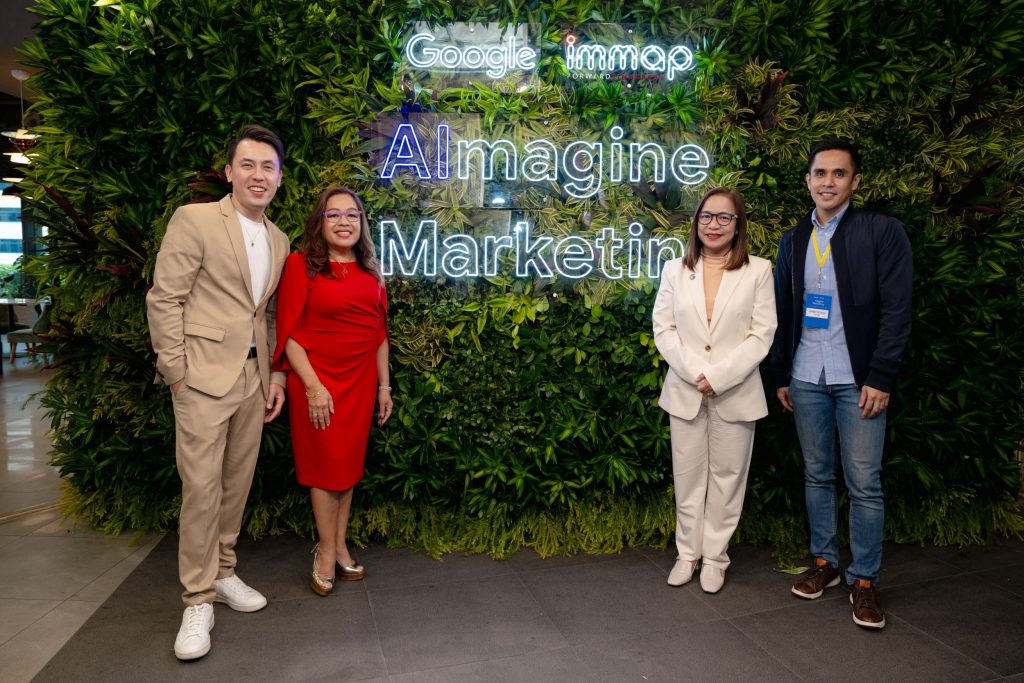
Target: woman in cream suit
x,y
714,319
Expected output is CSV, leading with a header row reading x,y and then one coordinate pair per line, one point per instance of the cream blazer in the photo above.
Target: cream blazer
x,y
201,312
728,351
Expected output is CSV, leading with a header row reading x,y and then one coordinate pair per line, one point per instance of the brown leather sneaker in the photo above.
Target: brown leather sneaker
x,y
813,582
866,610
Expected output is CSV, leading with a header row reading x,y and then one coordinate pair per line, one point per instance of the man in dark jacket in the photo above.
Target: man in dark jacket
x,y
842,290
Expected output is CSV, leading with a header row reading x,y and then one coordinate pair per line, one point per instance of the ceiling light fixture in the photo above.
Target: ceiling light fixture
x,y
21,138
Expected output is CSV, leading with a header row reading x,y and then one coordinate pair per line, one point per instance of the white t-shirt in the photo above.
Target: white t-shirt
x,y
257,248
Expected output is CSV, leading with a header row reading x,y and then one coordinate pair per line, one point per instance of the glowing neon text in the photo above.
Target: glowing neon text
x,y
628,58
494,60
461,255
583,163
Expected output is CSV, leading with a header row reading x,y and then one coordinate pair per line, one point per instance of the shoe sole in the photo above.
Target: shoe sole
x,y
812,596
188,656
876,625
192,655
343,573
316,588
238,607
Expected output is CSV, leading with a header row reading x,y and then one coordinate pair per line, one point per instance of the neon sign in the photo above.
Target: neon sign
x,y
653,58
495,61
583,163
493,171
462,255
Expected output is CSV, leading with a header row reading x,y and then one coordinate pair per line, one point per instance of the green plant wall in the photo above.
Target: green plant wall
x,y
526,409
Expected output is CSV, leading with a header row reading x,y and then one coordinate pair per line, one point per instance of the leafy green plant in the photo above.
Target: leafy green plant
x,y
526,409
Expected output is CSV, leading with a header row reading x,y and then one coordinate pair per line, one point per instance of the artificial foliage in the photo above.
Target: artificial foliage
x,y
526,409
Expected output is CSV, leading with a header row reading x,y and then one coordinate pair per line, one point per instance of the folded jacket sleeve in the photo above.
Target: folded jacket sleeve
x,y
291,302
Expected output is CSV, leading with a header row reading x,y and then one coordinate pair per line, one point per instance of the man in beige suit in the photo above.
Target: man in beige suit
x,y
216,272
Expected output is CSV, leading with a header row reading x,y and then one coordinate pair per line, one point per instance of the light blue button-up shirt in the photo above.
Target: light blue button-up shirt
x,y
823,349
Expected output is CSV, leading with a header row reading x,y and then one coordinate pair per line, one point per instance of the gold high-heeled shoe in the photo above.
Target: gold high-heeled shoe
x,y
354,572
321,585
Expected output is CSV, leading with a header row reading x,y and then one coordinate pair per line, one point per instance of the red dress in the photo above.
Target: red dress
x,y
340,322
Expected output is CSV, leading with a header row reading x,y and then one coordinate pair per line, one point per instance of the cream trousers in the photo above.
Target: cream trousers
x,y
710,462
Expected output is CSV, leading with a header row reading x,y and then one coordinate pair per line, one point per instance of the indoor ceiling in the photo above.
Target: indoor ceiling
x,y
16,25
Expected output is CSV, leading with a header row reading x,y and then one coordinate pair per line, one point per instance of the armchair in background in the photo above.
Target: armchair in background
x,y
32,336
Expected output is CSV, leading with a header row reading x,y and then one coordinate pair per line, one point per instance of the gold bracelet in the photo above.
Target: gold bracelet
x,y
314,394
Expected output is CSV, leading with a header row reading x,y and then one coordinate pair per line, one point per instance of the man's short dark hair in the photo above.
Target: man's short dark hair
x,y
832,142
259,134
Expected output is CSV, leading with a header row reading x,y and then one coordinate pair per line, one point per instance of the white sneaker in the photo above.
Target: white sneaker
x,y
711,578
233,592
193,639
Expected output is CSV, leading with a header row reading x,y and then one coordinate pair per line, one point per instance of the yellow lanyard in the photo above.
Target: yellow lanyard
x,y
817,252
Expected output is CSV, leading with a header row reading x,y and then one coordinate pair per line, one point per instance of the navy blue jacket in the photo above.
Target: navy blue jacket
x,y
874,273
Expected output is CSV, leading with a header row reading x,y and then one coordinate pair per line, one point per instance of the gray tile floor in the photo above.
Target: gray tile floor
x,y
26,478
591,618
52,576
80,606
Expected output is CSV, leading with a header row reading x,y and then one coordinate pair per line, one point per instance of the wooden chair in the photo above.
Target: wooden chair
x,y
31,337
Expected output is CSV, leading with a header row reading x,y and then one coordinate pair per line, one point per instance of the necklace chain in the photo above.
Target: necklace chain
x,y
251,236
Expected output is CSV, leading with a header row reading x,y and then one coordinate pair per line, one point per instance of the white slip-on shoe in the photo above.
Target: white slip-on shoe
x,y
682,572
193,639
711,578
233,592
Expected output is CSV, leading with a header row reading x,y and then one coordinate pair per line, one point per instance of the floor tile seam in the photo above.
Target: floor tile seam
x,y
777,608
34,621
72,599
762,648
323,599
661,569
52,543
919,559
608,640
795,603
705,599
445,582
376,633
31,510
547,616
959,575
928,635
577,567
150,544
571,649
992,581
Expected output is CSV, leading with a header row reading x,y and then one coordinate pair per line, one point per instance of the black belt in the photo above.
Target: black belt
x,y
252,353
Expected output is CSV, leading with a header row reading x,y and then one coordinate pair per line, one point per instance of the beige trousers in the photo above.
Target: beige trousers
x,y
710,462
217,443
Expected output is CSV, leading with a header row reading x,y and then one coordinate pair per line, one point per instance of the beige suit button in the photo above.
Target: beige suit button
x,y
707,348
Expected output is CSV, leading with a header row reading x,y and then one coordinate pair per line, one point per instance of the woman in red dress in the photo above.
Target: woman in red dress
x,y
332,337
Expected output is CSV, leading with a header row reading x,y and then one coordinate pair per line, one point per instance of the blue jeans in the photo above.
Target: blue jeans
x,y
818,410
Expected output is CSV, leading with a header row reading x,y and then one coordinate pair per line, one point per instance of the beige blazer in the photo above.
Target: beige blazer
x,y
200,309
727,351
